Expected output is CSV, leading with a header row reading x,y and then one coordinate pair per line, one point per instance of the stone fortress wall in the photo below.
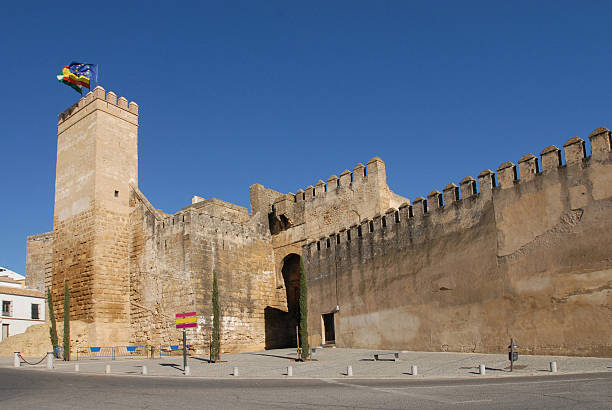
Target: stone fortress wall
x,y
465,270
528,258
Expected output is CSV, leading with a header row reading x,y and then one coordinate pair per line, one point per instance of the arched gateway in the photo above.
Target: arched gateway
x,y
281,323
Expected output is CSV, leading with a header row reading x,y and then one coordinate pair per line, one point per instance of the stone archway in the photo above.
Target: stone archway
x,y
291,279
281,323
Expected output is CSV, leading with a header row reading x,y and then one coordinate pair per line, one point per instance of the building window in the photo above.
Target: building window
x,y
6,308
35,312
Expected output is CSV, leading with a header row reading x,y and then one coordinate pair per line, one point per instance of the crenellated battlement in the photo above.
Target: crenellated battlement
x,y
466,267
374,172
472,193
330,204
101,99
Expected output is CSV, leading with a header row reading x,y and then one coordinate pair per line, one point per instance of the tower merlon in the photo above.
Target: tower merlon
x,y
123,103
345,178
405,211
528,167
451,194
507,175
111,97
332,183
359,173
419,207
434,199
486,182
574,151
299,196
600,143
320,189
468,187
551,158
309,192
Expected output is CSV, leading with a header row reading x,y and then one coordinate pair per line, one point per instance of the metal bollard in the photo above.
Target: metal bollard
x,y
49,360
235,373
77,368
289,370
413,370
349,371
187,371
482,369
553,367
16,360
145,371
107,370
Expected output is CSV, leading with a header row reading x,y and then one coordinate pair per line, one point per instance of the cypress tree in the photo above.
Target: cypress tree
x,y
303,312
215,344
66,322
53,329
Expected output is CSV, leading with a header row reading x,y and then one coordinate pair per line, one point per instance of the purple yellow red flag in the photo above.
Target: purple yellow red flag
x,y
78,75
184,320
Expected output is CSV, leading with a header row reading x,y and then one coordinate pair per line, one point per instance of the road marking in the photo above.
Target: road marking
x,y
500,384
416,396
472,401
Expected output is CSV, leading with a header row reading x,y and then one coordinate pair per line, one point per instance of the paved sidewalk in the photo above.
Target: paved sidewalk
x,y
332,363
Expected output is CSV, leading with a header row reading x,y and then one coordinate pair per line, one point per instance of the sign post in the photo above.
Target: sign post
x,y
183,321
512,354
184,349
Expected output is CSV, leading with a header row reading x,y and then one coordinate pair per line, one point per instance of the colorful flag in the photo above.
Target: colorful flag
x,y
78,75
184,320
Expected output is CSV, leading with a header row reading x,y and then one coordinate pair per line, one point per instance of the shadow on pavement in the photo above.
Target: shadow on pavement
x,y
274,355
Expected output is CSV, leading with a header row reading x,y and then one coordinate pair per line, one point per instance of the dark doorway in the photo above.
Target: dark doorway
x,y
281,324
329,329
291,277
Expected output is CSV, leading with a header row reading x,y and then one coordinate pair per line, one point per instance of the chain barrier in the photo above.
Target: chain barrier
x,y
32,364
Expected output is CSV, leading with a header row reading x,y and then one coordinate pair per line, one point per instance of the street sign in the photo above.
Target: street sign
x,y
185,320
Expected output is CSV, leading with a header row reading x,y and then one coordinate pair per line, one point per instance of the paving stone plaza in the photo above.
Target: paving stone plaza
x,y
333,363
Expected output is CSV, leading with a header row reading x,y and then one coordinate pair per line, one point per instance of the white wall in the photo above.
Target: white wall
x,y
21,312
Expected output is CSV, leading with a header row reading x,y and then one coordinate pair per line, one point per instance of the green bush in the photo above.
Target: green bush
x,y
303,312
66,322
215,342
53,329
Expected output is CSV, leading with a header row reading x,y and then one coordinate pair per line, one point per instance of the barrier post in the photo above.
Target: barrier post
x,y
16,360
49,360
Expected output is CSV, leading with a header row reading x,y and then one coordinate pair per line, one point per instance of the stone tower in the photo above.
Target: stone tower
x,y
97,160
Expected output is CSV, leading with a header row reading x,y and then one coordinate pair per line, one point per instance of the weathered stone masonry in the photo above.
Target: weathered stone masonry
x,y
529,259
462,270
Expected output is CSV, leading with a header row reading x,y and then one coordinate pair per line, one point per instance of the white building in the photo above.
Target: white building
x,y
9,274
21,307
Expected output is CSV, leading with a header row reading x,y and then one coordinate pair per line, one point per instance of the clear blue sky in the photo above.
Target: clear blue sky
x,y
285,93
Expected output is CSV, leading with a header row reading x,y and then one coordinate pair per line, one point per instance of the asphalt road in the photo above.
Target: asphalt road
x,y
21,389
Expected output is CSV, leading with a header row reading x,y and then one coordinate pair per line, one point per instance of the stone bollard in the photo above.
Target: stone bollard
x,y
413,370
553,367
16,360
289,370
187,371
49,360
349,371
235,373
77,368
482,369
107,370
145,371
